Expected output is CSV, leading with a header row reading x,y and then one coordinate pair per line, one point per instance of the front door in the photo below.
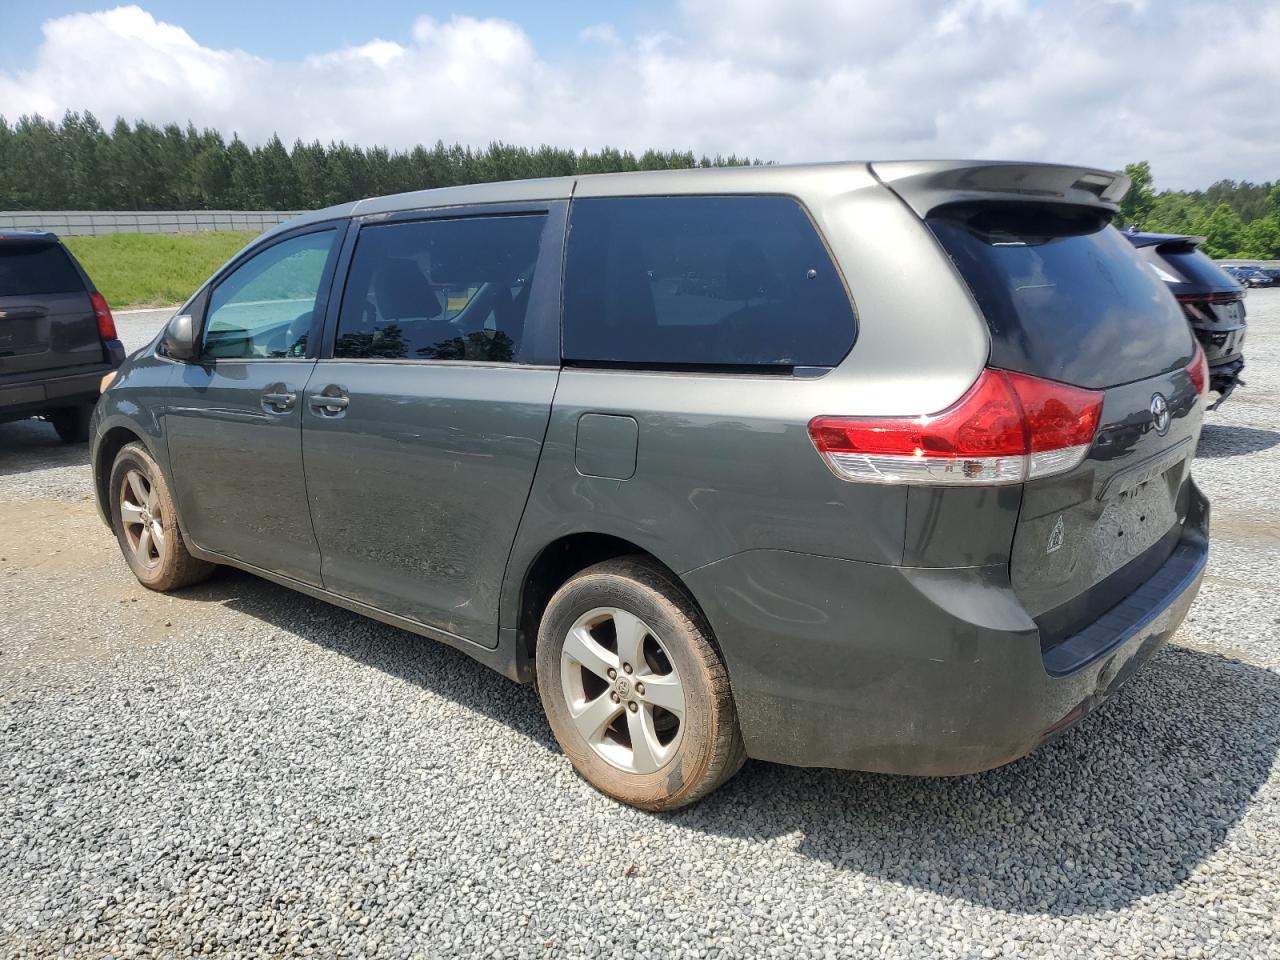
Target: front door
x,y
234,423
423,428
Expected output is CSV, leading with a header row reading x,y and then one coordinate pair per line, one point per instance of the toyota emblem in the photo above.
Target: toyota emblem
x,y
1160,413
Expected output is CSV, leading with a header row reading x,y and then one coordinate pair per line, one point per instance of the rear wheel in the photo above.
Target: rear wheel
x,y
72,423
634,690
146,523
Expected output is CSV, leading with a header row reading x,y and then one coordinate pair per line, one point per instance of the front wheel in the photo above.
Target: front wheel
x,y
634,690
146,523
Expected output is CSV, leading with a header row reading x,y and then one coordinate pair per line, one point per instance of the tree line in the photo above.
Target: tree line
x,y
1237,219
77,164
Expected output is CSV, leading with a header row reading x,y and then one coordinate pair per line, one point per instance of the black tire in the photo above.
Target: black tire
x,y
169,566
707,749
72,423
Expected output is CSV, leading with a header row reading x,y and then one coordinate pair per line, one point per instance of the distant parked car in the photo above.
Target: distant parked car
x,y
1211,297
57,335
1254,277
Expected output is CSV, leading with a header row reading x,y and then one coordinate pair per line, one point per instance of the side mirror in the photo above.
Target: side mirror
x,y
179,340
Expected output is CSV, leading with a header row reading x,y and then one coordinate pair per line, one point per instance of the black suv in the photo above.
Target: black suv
x,y
57,336
1211,298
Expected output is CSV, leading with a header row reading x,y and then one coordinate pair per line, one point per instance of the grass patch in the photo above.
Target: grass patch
x,y
153,269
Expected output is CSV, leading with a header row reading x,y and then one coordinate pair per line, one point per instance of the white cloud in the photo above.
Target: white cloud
x,y
1191,87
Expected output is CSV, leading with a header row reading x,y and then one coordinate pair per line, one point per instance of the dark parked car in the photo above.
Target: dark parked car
x,y
697,455
57,336
1254,277
1211,297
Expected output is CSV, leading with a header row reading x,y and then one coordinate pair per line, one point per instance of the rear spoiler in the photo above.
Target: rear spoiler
x,y
1162,241
927,184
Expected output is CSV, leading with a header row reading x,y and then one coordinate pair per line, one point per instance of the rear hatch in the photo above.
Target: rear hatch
x,y
1211,298
1067,298
47,322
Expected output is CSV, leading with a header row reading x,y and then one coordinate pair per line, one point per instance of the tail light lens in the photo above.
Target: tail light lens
x,y
1008,428
1198,371
106,322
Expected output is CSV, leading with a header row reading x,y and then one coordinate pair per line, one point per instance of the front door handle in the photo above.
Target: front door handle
x,y
278,399
332,401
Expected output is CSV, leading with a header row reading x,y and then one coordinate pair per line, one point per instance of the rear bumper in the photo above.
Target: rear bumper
x,y
920,671
1224,377
27,395
31,397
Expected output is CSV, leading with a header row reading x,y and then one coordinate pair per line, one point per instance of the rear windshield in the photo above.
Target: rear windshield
x,y
1065,294
1190,266
738,281
28,269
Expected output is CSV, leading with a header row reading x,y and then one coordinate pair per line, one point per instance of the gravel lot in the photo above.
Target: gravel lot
x,y
239,770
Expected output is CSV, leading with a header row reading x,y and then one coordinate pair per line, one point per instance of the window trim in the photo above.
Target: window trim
x,y
771,371
324,293
542,321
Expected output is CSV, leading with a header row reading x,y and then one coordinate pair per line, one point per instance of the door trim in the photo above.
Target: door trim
x,y
355,606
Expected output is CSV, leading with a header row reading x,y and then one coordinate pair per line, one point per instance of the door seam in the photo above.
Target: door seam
x,y
302,458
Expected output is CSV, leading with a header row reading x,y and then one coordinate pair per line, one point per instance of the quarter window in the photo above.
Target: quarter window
x,y
265,307
455,289
702,281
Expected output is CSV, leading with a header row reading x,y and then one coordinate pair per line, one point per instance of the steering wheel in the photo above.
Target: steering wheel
x,y
295,335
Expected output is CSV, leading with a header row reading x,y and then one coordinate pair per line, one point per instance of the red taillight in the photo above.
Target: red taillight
x,y
1008,428
106,323
1198,371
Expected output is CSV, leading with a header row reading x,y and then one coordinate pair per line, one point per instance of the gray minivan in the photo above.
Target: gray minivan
x,y
878,466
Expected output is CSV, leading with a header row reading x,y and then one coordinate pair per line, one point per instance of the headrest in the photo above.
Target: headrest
x,y
403,292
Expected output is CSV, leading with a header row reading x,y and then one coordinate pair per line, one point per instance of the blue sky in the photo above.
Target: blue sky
x,y
289,29
1093,82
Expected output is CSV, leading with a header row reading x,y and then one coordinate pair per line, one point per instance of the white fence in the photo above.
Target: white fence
x,y
89,223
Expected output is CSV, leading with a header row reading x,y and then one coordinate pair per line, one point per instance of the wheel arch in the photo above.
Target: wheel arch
x,y
113,440
560,560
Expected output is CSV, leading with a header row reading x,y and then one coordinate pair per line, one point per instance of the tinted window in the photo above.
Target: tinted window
x,y
440,290
670,281
264,308
34,268
1190,266
1065,294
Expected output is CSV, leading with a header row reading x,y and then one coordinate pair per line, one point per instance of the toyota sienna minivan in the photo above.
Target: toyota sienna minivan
x,y
877,466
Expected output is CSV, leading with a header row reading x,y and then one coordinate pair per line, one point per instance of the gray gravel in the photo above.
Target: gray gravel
x,y
239,770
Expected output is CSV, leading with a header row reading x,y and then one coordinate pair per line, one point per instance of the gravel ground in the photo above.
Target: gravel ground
x,y
239,770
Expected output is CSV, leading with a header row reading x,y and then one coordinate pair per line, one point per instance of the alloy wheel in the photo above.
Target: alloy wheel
x,y
142,518
623,690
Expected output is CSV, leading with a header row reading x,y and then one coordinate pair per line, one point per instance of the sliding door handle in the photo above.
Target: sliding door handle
x,y
329,402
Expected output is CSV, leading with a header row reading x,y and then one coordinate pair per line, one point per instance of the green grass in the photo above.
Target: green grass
x,y
153,269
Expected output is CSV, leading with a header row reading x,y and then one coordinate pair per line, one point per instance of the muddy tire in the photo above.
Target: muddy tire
x,y
634,688
145,522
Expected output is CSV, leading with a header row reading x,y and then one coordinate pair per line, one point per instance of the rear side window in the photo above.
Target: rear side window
x,y
28,269
701,281
440,290
1064,293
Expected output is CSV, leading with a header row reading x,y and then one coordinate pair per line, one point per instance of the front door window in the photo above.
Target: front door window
x,y
264,309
